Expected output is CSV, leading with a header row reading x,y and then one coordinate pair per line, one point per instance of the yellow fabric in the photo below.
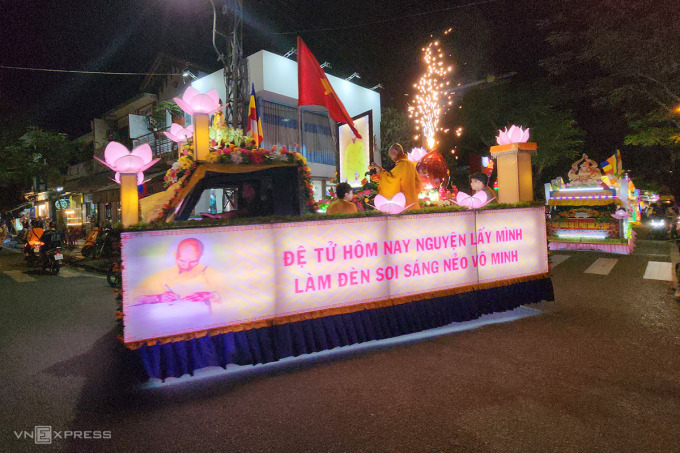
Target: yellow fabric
x,y
403,178
151,205
200,278
341,207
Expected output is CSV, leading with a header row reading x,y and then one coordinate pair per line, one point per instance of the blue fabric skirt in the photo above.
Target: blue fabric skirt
x,y
269,344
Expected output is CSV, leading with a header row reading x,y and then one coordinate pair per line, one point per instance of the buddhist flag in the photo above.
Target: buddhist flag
x,y
315,89
609,166
619,163
254,124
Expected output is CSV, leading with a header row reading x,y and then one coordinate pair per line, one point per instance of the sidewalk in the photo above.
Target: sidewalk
x,y
74,258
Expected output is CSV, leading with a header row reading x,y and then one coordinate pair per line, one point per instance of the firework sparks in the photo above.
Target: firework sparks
x,y
432,97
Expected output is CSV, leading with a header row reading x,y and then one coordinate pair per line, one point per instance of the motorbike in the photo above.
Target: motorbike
x,y
52,260
101,243
90,242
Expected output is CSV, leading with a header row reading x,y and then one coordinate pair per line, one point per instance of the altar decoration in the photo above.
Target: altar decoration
x,y
433,170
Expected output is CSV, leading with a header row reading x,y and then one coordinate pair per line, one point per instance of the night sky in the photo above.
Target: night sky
x,y
380,40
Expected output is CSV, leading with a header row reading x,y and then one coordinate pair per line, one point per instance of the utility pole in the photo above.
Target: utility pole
x,y
236,70
235,66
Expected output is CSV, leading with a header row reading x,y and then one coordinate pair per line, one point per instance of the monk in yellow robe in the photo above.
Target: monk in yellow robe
x,y
402,178
343,205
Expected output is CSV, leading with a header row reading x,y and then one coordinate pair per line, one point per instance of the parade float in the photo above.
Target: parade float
x,y
590,212
204,289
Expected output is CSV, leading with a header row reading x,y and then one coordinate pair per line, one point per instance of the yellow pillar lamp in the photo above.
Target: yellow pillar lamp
x,y
200,107
129,167
180,135
513,165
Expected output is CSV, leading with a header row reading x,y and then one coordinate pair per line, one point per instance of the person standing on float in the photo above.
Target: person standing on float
x,y
402,178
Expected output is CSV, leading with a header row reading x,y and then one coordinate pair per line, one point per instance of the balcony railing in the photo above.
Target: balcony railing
x,y
161,146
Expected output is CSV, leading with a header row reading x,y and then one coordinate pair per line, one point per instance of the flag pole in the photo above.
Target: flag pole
x,y
299,112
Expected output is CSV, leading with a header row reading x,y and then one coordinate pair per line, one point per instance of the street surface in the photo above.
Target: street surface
x,y
598,370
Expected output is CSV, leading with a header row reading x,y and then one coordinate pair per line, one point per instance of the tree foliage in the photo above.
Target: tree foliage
x,y
394,128
485,111
625,54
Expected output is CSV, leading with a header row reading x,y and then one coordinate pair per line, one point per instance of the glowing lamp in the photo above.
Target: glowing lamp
x,y
513,135
416,154
179,134
129,167
200,106
193,102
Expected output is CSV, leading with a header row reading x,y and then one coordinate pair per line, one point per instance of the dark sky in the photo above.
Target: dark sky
x,y
380,40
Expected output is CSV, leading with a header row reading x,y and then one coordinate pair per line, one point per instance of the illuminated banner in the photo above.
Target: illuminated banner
x,y
189,280
355,154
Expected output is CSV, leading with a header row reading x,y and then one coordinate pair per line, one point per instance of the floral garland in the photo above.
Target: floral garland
x,y
231,154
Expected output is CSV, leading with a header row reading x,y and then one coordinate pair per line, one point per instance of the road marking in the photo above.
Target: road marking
x,y
19,276
659,270
602,266
558,259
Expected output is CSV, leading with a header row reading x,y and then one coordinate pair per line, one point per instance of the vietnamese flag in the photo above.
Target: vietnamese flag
x,y
315,89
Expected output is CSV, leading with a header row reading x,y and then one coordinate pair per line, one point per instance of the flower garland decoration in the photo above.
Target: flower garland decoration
x,y
229,153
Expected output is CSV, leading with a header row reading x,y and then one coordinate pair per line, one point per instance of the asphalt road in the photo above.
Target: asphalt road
x,y
597,370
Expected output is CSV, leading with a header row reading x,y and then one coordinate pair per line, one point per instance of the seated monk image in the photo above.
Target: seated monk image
x,y
402,178
344,204
188,281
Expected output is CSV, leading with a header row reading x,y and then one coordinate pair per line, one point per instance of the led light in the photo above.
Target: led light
x,y
581,234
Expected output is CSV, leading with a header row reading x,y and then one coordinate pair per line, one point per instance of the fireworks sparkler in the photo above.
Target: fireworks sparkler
x,y
432,95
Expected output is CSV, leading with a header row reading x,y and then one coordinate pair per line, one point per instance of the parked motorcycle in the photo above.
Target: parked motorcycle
x,y
102,243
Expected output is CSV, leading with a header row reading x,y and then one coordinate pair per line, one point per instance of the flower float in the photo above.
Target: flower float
x,y
513,135
193,102
180,134
119,159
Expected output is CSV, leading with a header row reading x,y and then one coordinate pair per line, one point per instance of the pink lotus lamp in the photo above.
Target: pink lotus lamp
x,y
513,135
129,167
200,107
180,135
416,154
394,205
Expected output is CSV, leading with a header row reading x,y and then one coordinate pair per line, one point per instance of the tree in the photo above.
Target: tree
x,y
624,55
394,128
485,111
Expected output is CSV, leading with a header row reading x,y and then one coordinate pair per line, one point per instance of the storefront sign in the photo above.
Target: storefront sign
x,y
180,281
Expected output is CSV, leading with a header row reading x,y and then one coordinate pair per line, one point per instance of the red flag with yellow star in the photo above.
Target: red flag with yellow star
x,y
315,89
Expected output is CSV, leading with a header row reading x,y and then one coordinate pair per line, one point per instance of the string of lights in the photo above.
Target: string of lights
x,y
75,71
391,19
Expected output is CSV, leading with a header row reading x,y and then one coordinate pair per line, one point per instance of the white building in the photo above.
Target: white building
x,y
276,87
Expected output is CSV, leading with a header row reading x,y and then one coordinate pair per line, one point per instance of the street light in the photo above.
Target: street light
x,y
186,73
356,74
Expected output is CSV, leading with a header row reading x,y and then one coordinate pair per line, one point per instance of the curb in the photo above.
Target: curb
x,y
675,259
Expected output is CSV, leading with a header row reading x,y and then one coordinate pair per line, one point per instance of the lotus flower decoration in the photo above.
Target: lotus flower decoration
x,y
119,159
621,214
475,201
416,154
193,102
179,134
395,205
513,135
